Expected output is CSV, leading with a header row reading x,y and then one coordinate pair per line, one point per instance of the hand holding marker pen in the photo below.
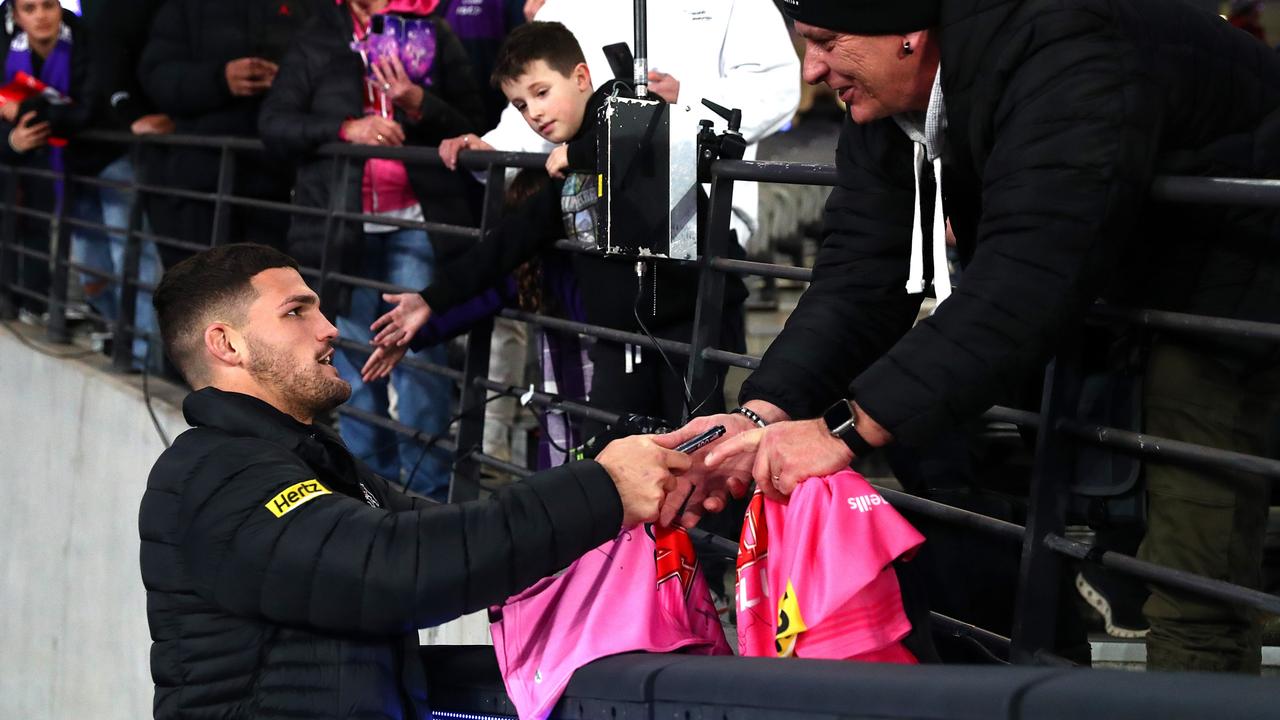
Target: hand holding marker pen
x,y
691,446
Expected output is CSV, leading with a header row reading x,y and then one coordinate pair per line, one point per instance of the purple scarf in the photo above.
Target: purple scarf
x,y
56,73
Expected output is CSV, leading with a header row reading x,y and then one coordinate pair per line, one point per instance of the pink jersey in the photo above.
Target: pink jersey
x,y
815,577
640,591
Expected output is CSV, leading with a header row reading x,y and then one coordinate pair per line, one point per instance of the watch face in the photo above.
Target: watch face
x,y
838,416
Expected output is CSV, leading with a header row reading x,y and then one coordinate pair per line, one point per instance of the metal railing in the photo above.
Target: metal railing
x,y
1043,541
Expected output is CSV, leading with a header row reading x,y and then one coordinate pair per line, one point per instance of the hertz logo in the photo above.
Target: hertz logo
x,y
292,497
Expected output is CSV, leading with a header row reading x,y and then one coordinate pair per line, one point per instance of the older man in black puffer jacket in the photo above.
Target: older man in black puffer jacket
x,y
1046,121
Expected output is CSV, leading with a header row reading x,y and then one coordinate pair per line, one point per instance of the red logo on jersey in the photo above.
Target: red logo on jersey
x,y
285,11
673,553
753,548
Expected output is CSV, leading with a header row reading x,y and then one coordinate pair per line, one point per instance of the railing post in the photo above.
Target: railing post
x,y
125,330
340,177
466,475
1040,578
222,208
8,240
60,250
708,314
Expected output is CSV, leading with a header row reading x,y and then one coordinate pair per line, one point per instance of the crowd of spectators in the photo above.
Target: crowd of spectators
x,y
298,74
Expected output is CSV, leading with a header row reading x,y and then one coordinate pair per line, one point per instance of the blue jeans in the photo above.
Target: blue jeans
x,y
405,258
104,251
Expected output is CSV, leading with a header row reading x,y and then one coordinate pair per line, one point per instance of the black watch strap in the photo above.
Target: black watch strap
x,y
839,420
860,447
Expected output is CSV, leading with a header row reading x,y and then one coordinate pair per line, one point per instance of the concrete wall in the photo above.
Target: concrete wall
x,y
76,445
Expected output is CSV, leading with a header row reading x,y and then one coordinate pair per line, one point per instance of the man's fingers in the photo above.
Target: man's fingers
x,y
713,504
742,443
787,483
672,439
763,472
676,461
671,505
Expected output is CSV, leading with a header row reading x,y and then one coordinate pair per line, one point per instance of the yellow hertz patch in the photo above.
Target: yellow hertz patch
x,y
790,624
292,497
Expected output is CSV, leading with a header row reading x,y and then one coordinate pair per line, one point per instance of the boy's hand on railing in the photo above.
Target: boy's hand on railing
x,y
450,148
381,362
373,130
558,161
28,135
398,326
155,124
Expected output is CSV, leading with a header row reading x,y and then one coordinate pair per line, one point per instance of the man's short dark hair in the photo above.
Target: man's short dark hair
x,y
550,42
191,293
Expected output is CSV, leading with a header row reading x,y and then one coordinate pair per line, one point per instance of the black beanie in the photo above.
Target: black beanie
x,y
865,17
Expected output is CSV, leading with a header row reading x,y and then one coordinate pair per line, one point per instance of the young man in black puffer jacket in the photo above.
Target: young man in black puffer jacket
x,y
284,578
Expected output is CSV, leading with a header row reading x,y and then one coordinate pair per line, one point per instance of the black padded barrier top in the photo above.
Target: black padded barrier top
x,y
465,680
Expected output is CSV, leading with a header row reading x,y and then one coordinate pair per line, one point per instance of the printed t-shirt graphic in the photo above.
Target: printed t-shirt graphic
x,y
579,202
639,591
815,577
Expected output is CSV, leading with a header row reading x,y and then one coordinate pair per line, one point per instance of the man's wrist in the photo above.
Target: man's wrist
x,y
841,420
751,415
768,411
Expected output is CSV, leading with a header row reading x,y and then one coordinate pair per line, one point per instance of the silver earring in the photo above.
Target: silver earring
x,y
906,47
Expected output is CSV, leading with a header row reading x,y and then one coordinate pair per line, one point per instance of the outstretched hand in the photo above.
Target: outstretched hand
x,y
644,469
707,489
399,324
381,362
784,455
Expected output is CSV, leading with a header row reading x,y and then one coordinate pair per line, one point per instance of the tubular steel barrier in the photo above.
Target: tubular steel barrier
x,y
1044,546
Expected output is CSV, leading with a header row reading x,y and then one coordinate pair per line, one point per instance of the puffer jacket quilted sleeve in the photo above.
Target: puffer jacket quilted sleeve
x,y
330,563
1062,136
857,304
1073,139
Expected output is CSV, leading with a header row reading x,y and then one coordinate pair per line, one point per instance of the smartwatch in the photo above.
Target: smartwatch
x,y
840,421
